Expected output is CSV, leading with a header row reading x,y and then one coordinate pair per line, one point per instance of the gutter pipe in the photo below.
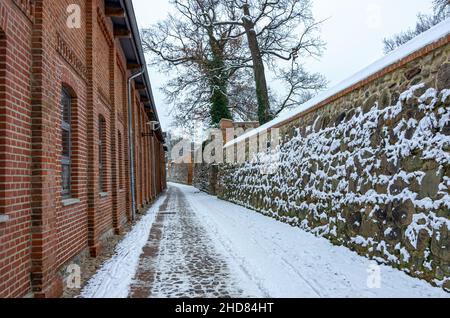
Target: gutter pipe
x,y
131,144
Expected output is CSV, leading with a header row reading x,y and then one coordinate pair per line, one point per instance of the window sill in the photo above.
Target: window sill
x,y
69,202
103,194
121,190
4,218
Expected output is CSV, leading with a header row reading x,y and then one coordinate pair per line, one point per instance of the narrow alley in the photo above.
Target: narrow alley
x,y
194,245
179,259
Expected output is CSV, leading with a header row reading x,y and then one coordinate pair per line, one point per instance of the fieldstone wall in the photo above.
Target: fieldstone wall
x,y
205,177
370,170
180,173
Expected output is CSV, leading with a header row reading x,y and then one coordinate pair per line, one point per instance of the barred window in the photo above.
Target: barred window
x,y
66,158
101,153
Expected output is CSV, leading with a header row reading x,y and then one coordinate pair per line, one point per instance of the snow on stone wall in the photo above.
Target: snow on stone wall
x,y
370,171
205,177
180,172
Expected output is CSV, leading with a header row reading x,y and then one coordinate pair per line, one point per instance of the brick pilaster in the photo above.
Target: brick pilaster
x,y
44,279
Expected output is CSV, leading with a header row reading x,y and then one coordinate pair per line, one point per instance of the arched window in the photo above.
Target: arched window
x,y
66,157
102,154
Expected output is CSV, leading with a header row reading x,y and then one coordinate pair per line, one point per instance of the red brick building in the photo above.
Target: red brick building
x,y
65,168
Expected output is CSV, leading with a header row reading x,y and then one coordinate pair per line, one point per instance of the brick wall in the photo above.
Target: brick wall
x,y
15,149
40,231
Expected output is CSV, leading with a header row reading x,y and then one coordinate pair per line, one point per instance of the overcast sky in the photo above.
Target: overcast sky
x,y
354,34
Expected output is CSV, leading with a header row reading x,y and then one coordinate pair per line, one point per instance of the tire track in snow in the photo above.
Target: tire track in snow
x,y
243,264
293,268
276,256
227,247
280,256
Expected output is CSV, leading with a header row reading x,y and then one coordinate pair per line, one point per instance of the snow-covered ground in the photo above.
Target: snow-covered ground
x,y
287,262
268,258
113,279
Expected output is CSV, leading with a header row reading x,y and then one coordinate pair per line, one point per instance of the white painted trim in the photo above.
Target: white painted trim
x,y
69,202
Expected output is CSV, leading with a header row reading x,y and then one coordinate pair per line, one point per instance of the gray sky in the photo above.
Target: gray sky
x,y
354,34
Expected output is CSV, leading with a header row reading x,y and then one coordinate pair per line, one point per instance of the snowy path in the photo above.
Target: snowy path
x,y
191,244
284,261
112,280
180,260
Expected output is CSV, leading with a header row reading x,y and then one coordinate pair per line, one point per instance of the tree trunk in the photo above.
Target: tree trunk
x,y
262,92
219,102
218,82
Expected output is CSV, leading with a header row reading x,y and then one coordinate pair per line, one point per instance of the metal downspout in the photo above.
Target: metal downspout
x,y
131,144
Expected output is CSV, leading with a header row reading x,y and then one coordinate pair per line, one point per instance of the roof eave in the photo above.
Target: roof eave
x,y
138,53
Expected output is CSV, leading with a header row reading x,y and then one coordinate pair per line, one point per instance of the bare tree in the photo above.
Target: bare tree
x,y
242,96
189,44
300,84
219,74
190,90
274,30
442,7
424,23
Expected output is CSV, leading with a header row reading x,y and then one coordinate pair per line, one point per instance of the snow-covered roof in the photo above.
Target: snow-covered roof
x,y
431,36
